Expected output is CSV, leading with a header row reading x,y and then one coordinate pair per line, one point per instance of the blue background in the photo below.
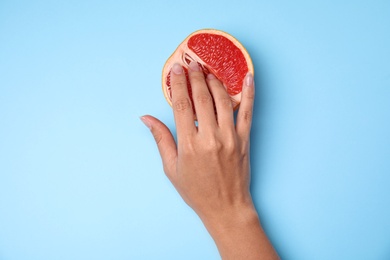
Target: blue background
x,y
81,178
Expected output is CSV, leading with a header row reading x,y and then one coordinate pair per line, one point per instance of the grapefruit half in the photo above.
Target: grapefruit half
x,y
216,52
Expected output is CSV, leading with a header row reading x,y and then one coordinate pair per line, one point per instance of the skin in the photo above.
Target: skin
x,y
209,165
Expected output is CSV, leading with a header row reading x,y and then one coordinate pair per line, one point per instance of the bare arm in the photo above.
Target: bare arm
x,y
209,166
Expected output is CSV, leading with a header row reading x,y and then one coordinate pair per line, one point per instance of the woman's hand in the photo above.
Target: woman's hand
x,y
210,165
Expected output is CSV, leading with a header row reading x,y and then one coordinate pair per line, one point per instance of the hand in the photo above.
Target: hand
x,y
210,166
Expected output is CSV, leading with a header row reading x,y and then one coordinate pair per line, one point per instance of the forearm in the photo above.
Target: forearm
x,y
238,235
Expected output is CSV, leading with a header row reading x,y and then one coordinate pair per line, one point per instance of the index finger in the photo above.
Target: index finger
x,y
181,102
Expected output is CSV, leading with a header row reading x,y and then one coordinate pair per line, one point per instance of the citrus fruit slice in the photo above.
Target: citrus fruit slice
x,y
216,52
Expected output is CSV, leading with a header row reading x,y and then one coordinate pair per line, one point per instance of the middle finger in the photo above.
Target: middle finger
x,y
203,101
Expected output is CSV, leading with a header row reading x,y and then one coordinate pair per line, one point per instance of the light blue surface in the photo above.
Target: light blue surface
x,y
81,178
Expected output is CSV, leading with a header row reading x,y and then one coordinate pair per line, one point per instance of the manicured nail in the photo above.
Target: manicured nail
x,y
210,76
249,79
194,66
177,69
146,122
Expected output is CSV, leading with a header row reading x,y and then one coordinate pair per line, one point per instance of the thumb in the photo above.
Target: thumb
x,y
165,143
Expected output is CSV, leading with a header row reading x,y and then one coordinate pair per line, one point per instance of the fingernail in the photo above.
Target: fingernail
x,y
210,76
194,66
177,69
146,122
249,79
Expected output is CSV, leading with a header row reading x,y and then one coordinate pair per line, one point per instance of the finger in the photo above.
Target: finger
x,y
203,101
245,112
181,102
223,102
165,143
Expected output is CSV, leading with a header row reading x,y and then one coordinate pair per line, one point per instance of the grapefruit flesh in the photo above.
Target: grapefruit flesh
x,y
216,52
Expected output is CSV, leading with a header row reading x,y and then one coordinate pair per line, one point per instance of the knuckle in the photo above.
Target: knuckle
x,y
213,147
250,94
225,102
157,137
197,77
204,99
182,104
244,151
230,146
168,168
179,84
247,115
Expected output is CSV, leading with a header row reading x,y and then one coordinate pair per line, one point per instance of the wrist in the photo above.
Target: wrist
x,y
232,220
238,234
